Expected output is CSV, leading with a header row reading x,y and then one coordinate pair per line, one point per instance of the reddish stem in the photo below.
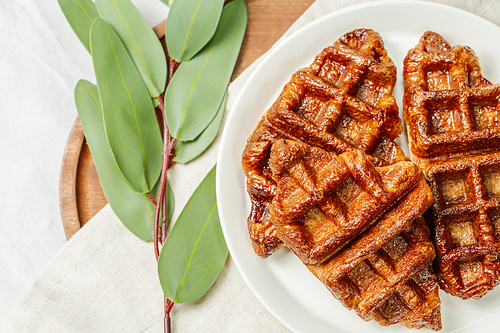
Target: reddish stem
x,y
150,196
168,307
163,180
173,64
161,202
168,146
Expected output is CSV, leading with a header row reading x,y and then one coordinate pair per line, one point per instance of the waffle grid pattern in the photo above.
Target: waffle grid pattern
x,y
467,215
453,119
357,228
323,200
450,106
379,284
342,102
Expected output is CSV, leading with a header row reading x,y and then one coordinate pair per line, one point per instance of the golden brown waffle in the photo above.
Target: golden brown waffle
x,y
453,120
342,102
357,227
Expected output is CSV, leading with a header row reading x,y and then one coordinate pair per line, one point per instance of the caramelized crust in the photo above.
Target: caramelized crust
x,y
357,227
453,124
315,187
342,102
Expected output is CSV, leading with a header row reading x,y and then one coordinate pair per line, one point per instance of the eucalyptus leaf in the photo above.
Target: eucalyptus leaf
x,y
140,40
134,209
80,14
129,117
190,25
170,203
198,86
194,252
186,151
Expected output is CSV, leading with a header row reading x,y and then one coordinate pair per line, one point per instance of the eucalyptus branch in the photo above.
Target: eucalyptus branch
x,y
161,204
168,146
208,40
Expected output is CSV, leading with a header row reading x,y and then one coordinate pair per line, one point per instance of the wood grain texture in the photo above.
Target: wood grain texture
x,y
67,181
81,195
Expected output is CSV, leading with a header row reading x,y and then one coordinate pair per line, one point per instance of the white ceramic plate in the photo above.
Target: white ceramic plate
x,y
281,282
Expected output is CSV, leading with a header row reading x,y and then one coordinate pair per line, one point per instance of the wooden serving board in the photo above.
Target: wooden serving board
x,y
80,193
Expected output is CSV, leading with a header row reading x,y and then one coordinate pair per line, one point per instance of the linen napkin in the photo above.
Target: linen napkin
x,y
105,280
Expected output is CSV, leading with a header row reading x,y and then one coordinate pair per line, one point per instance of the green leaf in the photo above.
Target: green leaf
x,y
129,117
170,202
80,14
195,251
140,40
198,86
134,209
190,25
188,150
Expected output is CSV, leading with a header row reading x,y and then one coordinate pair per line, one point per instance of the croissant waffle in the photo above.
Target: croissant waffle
x,y
357,227
342,102
452,115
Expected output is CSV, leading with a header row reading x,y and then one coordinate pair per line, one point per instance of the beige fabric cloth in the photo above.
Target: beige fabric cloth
x,y
105,280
